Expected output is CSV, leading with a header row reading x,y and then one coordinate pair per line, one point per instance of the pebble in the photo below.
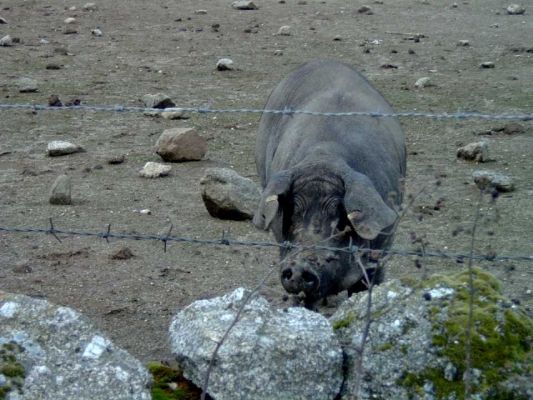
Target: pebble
x,y
3,20
70,29
285,30
61,148
70,20
154,170
60,194
278,52
477,151
177,114
53,66
201,12
422,82
158,100
96,32
364,9
515,9
463,43
337,38
487,64
124,253
116,159
498,181
90,7
244,5
6,41
225,64
27,85
54,101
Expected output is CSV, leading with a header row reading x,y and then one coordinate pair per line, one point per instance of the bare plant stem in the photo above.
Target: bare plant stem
x,y
471,290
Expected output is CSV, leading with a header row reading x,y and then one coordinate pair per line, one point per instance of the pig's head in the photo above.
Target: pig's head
x,y
320,207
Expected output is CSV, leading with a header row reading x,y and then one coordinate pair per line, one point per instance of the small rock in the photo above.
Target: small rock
x,y
61,148
145,211
515,9
27,85
90,7
60,193
176,114
227,195
455,5
450,372
3,20
73,102
513,128
154,170
6,41
487,65
485,179
72,8
181,144
201,12
463,43
159,100
54,101
53,66
225,64
124,253
96,32
337,38
364,9
70,20
70,29
478,151
285,30
278,52
116,159
244,5
422,82
22,268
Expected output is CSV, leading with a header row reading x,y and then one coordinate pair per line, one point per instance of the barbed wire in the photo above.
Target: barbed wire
x,y
287,111
226,241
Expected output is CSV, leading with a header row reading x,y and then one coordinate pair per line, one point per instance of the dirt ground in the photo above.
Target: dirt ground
x,y
166,46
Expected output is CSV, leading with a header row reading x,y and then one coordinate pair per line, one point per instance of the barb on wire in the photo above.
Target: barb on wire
x,y
459,257
287,111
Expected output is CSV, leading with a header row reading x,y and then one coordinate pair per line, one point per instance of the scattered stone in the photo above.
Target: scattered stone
x,y
512,128
54,101
285,30
485,179
70,20
423,82
278,52
22,268
6,41
3,20
515,9
337,38
175,114
116,159
60,194
70,29
124,253
389,66
463,43
478,151
73,102
96,32
145,211
181,144
227,195
53,352
487,65
244,5
225,64
53,66
455,5
27,85
269,354
61,148
416,342
364,9
159,100
90,7
154,170
201,12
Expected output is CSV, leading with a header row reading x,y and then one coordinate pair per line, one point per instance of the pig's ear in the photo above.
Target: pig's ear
x,y
367,212
269,204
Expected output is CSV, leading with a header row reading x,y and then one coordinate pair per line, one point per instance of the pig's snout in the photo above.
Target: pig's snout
x,y
299,278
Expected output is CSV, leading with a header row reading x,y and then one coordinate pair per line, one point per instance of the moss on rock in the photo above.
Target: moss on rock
x,y
501,340
169,383
13,371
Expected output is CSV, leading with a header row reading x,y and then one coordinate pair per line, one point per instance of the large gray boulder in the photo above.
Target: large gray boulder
x,y
228,195
53,353
416,345
269,354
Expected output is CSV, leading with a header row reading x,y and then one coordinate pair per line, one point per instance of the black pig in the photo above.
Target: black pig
x,y
328,180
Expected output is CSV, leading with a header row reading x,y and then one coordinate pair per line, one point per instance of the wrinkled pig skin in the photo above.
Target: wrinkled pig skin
x,y
329,180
